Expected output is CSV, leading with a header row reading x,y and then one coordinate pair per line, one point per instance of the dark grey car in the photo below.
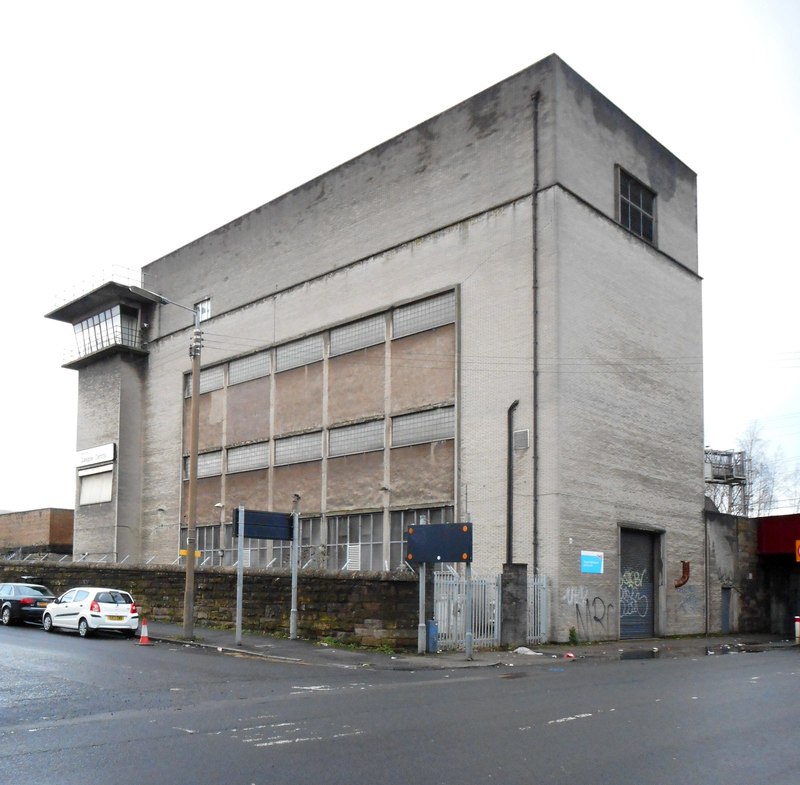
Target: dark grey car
x,y
23,602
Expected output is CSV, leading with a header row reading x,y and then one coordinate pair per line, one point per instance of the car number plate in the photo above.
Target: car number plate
x,y
115,618
41,604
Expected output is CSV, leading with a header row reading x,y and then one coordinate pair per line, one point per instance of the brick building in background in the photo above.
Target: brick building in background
x,y
494,316
36,532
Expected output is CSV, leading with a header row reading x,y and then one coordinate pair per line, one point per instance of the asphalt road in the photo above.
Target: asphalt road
x,y
110,712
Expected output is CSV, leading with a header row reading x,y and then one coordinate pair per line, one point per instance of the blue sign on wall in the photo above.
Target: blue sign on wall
x,y
592,562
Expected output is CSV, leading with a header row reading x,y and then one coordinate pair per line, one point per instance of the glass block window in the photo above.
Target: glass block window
x,y
355,542
252,367
398,529
248,457
351,439
424,315
637,207
430,426
208,464
293,355
210,379
359,335
295,449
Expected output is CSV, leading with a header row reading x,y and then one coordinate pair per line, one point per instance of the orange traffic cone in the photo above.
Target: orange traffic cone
x,y
144,640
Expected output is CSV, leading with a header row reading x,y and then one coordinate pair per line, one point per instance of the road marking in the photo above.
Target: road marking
x,y
569,719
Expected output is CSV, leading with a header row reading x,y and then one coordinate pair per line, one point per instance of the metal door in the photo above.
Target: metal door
x,y
726,610
636,584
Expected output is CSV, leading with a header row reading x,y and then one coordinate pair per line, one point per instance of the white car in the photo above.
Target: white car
x,y
88,609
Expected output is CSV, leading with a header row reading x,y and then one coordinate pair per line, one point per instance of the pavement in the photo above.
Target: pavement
x,y
306,652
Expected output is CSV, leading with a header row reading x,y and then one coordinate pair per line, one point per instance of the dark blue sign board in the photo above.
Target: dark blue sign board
x,y
261,525
439,542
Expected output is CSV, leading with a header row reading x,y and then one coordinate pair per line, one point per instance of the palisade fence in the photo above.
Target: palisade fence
x,y
449,602
450,599
538,609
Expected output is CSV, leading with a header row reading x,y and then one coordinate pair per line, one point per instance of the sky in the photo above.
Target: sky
x,y
130,129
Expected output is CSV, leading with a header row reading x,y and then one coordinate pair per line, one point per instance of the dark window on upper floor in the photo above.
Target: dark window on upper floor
x,y
637,207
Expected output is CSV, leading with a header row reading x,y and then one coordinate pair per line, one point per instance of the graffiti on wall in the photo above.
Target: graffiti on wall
x,y
593,615
688,600
632,600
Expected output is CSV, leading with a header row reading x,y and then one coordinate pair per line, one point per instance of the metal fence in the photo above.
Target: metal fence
x,y
449,599
538,609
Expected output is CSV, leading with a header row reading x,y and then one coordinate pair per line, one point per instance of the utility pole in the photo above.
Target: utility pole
x,y
194,440
195,346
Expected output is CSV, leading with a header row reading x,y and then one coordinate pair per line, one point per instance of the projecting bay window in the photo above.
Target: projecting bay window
x,y
113,327
637,207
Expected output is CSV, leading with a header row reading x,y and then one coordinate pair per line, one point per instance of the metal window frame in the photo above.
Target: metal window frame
x,y
624,180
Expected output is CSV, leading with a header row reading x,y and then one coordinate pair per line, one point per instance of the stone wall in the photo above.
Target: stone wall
x,y
363,608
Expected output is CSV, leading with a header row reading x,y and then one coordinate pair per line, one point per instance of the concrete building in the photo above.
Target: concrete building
x,y
494,316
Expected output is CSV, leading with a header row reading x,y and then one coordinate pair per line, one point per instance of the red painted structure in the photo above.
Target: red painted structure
x,y
778,534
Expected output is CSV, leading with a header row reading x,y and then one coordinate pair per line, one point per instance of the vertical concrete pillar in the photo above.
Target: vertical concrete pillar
x,y
514,606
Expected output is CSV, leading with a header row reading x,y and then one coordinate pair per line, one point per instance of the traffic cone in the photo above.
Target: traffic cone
x,y
144,640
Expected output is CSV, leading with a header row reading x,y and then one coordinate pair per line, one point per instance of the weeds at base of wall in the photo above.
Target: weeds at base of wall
x,y
328,640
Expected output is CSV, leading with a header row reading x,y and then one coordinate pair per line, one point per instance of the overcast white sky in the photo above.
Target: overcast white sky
x,y
130,129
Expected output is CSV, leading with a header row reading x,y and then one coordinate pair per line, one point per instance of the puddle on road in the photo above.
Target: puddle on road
x,y
643,654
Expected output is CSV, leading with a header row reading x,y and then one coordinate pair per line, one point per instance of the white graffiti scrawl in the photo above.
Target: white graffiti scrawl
x,y
632,600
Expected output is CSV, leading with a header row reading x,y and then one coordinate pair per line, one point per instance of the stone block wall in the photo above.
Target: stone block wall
x,y
362,608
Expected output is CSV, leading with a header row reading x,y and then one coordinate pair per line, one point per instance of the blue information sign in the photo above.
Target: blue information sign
x,y
439,542
262,525
592,562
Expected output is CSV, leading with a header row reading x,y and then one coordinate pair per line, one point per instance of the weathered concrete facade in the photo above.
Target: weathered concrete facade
x,y
738,579
396,307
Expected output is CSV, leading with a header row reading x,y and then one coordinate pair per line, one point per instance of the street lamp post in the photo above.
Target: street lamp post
x,y
195,347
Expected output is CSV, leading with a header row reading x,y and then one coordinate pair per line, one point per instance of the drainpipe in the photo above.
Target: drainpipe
x,y
510,486
535,264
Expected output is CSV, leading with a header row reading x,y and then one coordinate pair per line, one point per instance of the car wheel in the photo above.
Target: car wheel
x,y
6,617
47,623
84,630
